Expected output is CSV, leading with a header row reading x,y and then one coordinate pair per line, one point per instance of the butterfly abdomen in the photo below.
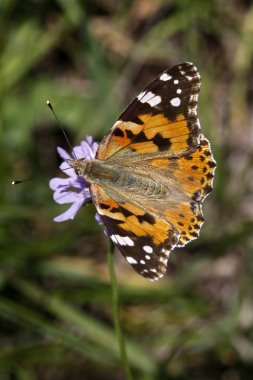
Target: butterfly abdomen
x,y
123,177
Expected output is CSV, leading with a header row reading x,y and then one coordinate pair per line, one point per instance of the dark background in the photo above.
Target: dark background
x,y
90,58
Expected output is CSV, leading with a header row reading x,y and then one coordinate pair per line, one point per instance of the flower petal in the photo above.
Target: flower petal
x,y
89,139
65,196
78,153
80,182
63,154
95,148
73,189
98,218
70,213
54,183
87,150
67,169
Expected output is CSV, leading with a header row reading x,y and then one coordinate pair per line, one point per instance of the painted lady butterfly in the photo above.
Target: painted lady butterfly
x,y
152,172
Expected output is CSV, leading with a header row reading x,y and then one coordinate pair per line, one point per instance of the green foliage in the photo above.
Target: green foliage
x,y
90,58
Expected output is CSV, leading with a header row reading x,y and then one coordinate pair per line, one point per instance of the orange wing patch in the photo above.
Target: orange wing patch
x,y
144,239
161,124
187,218
167,135
119,137
145,147
157,229
131,218
156,133
194,172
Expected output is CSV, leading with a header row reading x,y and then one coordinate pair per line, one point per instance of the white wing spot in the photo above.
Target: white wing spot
x,y
179,91
147,257
165,77
166,252
140,95
151,99
194,98
148,249
163,260
149,95
113,237
176,81
142,262
129,241
154,101
188,77
175,102
131,260
122,240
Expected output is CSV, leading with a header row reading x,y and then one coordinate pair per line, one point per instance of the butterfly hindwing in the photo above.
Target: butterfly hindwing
x,y
192,175
144,239
162,119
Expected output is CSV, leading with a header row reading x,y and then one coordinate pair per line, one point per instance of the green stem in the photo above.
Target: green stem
x,y
115,300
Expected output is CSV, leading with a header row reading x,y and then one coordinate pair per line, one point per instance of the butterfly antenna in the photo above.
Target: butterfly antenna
x,y
18,182
62,129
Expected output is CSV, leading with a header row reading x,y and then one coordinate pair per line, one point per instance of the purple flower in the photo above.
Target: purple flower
x,y
73,189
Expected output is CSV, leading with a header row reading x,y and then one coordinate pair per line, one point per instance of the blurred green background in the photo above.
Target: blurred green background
x,y
90,58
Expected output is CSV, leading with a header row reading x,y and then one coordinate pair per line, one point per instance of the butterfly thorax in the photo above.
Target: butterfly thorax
x,y
118,176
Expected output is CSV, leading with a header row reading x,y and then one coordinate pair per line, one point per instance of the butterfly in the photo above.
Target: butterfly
x,y
152,171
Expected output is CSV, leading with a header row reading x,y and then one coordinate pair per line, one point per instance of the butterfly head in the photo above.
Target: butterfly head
x,y
79,166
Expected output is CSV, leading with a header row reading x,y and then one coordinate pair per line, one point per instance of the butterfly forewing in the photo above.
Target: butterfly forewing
x,y
162,119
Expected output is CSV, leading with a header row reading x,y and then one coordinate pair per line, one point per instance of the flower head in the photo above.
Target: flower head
x,y
73,189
